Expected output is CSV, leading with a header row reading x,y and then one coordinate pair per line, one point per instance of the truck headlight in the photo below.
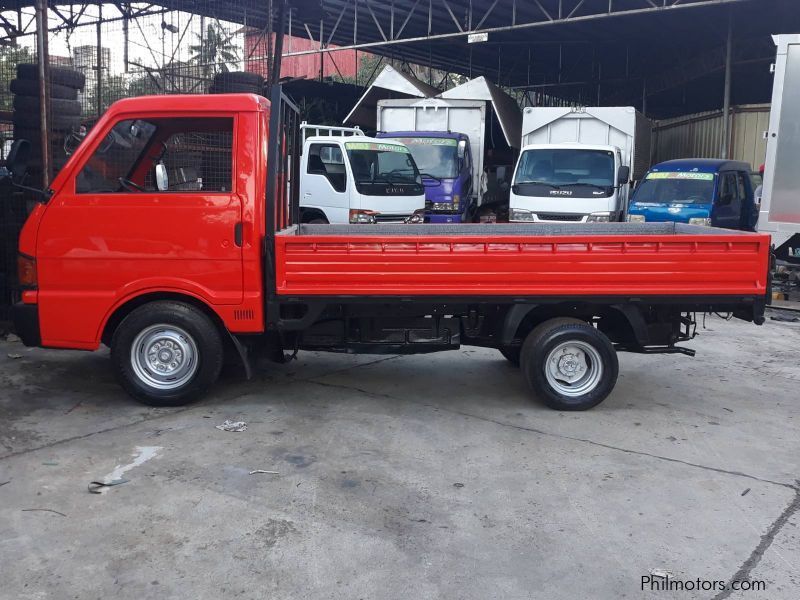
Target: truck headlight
x,y
362,216
599,217
704,221
417,217
520,214
442,206
636,219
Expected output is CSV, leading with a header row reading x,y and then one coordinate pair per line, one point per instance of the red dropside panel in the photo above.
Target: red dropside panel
x,y
600,265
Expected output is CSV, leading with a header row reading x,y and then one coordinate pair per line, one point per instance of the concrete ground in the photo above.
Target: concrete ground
x,y
406,477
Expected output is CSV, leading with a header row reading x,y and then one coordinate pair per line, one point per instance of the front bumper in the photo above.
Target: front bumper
x,y
26,323
437,217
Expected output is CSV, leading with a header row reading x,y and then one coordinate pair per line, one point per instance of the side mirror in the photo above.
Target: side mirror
x,y
162,179
17,161
462,149
623,175
515,188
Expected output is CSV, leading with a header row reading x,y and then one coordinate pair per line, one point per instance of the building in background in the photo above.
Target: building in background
x,y
342,64
84,59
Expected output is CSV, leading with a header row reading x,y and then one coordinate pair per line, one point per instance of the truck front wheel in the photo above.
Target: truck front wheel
x,y
569,364
166,353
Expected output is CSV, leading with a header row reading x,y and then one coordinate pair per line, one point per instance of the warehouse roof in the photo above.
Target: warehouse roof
x,y
609,52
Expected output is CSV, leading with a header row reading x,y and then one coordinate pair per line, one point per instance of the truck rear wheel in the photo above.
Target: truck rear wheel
x,y
167,353
569,364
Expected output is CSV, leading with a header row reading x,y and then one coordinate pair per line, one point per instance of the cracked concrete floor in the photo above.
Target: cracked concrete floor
x,y
415,477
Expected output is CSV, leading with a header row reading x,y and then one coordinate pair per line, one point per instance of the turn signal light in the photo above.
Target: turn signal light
x,y
26,271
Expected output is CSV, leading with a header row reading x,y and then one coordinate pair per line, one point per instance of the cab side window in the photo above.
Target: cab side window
x,y
162,155
728,189
327,160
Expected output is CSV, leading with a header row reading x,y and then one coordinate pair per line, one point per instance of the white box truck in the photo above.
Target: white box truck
x,y
578,164
779,214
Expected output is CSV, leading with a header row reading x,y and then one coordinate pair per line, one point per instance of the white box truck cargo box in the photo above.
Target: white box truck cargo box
x,y
620,126
780,204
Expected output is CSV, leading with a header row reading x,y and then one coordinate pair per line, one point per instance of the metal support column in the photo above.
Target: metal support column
x,y
44,88
275,68
726,106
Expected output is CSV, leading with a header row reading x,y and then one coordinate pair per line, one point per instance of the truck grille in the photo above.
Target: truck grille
x,y
391,218
559,217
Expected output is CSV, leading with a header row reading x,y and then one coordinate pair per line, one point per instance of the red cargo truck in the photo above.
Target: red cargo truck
x,y
172,236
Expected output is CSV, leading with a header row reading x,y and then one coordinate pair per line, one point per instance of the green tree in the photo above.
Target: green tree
x,y
10,57
215,50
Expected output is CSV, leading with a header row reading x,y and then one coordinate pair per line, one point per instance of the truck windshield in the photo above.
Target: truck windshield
x,y
573,172
382,169
437,157
672,188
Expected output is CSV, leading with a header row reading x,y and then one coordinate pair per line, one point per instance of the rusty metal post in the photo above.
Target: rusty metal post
x,y
44,88
99,60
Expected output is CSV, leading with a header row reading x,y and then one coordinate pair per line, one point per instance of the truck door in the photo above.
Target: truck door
x,y
151,207
325,185
727,209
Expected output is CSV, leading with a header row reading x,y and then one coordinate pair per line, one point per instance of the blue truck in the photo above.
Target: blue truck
x,y
697,191
445,162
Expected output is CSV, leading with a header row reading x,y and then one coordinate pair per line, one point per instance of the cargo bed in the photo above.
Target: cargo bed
x,y
521,260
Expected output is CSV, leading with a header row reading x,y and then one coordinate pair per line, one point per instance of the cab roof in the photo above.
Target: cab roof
x,y
430,134
189,103
701,165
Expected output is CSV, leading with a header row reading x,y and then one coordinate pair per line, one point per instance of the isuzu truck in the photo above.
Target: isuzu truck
x,y
577,164
174,278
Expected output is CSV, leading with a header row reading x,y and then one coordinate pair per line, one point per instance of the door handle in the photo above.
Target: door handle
x,y
237,234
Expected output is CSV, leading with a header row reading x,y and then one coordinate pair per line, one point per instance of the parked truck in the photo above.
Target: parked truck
x,y
698,191
441,135
577,164
347,177
780,203
176,279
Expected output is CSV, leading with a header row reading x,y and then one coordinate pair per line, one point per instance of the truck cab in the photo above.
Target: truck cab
x,y
347,177
445,163
716,193
568,183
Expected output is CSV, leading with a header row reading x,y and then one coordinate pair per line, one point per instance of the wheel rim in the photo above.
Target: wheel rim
x,y
573,368
164,356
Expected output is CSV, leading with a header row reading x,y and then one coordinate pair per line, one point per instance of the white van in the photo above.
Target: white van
x,y
347,177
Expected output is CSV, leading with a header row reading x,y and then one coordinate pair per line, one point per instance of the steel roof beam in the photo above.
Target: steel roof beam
x,y
463,32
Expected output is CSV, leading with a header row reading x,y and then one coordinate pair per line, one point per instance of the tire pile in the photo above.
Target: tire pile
x,y
63,118
237,82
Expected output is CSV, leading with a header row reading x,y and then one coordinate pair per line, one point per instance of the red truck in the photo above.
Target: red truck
x,y
172,236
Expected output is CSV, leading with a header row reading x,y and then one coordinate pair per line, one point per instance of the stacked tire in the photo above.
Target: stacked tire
x,y
237,82
64,115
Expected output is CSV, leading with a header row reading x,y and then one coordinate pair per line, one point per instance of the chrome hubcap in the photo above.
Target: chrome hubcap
x,y
573,368
164,356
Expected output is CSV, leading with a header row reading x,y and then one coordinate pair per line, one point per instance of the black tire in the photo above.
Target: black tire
x,y
544,339
58,75
238,78
26,87
58,106
160,318
511,354
31,120
234,88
